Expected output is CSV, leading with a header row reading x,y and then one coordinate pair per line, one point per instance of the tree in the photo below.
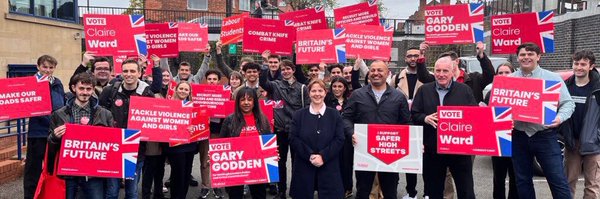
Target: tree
x,y
304,4
135,7
382,9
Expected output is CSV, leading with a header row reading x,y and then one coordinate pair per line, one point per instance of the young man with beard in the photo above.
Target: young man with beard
x,y
294,96
38,126
445,91
376,103
582,146
531,140
115,98
82,109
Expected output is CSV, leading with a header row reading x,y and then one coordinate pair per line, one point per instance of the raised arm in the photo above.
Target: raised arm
x,y
199,76
221,62
487,69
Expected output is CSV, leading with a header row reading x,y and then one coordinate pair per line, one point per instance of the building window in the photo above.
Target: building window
x,y
245,5
58,9
198,4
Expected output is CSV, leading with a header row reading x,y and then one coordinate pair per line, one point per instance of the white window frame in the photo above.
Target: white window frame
x,y
190,8
248,4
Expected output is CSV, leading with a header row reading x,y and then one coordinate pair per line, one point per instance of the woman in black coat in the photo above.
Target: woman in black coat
x,y
316,138
246,120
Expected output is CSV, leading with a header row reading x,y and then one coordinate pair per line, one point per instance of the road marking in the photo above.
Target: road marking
x,y
544,180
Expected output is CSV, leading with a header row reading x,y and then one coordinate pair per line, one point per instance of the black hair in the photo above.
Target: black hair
x,y
336,66
344,82
529,47
132,61
585,54
251,65
84,78
211,72
239,122
100,59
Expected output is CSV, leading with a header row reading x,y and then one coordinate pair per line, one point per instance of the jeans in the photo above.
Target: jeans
x,y
93,188
284,146
435,169
544,146
131,192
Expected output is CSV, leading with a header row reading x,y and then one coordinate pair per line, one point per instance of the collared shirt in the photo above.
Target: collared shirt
x,y
79,112
566,106
250,86
319,112
442,91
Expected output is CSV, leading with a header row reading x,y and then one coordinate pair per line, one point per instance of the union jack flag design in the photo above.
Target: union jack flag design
x,y
269,143
172,25
372,2
41,78
137,21
289,22
340,33
319,8
550,109
130,137
547,38
477,31
203,24
276,103
387,27
226,87
187,103
545,17
140,44
476,9
503,137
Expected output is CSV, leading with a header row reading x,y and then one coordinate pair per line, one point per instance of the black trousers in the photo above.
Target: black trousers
x,y
387,181
153,172
347,162
257,191
411,184
284,146
502,166
36,147
434,174
181,170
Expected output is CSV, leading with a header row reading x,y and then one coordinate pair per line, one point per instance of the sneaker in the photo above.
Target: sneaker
x,y
204,193
218,193
408,197
193,181
273,189
280,195
165,189
349,194
246,189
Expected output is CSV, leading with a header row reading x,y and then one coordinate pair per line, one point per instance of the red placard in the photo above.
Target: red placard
x,y
22,97
454,24
365,13
232,28
162,120
193,37
532,100
201,127
107,35
316,46
307,19
162,39
214,98
118,63
171,91
268,34
243,160
267,107
469,130
370,42
510,31
98,152
388,143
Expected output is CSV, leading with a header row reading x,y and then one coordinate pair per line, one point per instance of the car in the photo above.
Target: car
x,y
471,64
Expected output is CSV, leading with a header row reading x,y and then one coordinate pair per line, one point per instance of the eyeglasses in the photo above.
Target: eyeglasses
x,y
412,56
102,69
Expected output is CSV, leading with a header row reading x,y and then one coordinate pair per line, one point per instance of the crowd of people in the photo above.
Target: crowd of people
x,y
316,124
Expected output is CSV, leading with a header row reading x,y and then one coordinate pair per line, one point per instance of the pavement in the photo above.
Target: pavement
x,y
482,173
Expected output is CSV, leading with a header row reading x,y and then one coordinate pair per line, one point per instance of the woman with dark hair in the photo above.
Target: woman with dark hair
x,y
181,157
246,120
336,98
235,80
502,165
316,138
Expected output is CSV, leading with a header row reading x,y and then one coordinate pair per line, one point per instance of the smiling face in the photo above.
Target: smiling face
x,y
528,59
130,74
246,104
166,78
251,75
273,64
443,71
102,71
336,72
504,70
338,89
83,92
378,73
411,57
348,73
287,72
234,81
582,68
184,71
46,68
182,91
212,79
317,93
313,72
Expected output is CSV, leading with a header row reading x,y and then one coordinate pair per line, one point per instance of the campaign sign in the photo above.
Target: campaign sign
x,y
532,100
243,160
316,46
171,90
307,19
472,130
365,13
201,129
107,35
268,108
368,42
162,39
268,34
162,120
98,152
193,37
214,98
388,148
232,28
511,30
22,97
454,24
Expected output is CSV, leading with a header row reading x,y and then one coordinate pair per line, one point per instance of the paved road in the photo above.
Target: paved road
x,y
482,173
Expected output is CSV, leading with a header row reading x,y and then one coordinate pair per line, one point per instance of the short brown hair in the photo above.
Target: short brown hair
x,y
47,58
317,82
274,56
529,47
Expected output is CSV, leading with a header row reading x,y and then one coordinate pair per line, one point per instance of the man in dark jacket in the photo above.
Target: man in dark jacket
x,y
82,109
376,103
476,81
295,97
582,146
116,99
101,70
39,127
443,92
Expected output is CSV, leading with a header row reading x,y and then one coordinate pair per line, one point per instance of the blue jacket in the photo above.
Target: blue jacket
x,y
39,126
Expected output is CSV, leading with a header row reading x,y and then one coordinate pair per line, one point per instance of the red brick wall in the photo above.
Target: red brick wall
x,y
215,7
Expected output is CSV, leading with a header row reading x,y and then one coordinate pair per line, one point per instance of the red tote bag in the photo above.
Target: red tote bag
x,y
50,185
